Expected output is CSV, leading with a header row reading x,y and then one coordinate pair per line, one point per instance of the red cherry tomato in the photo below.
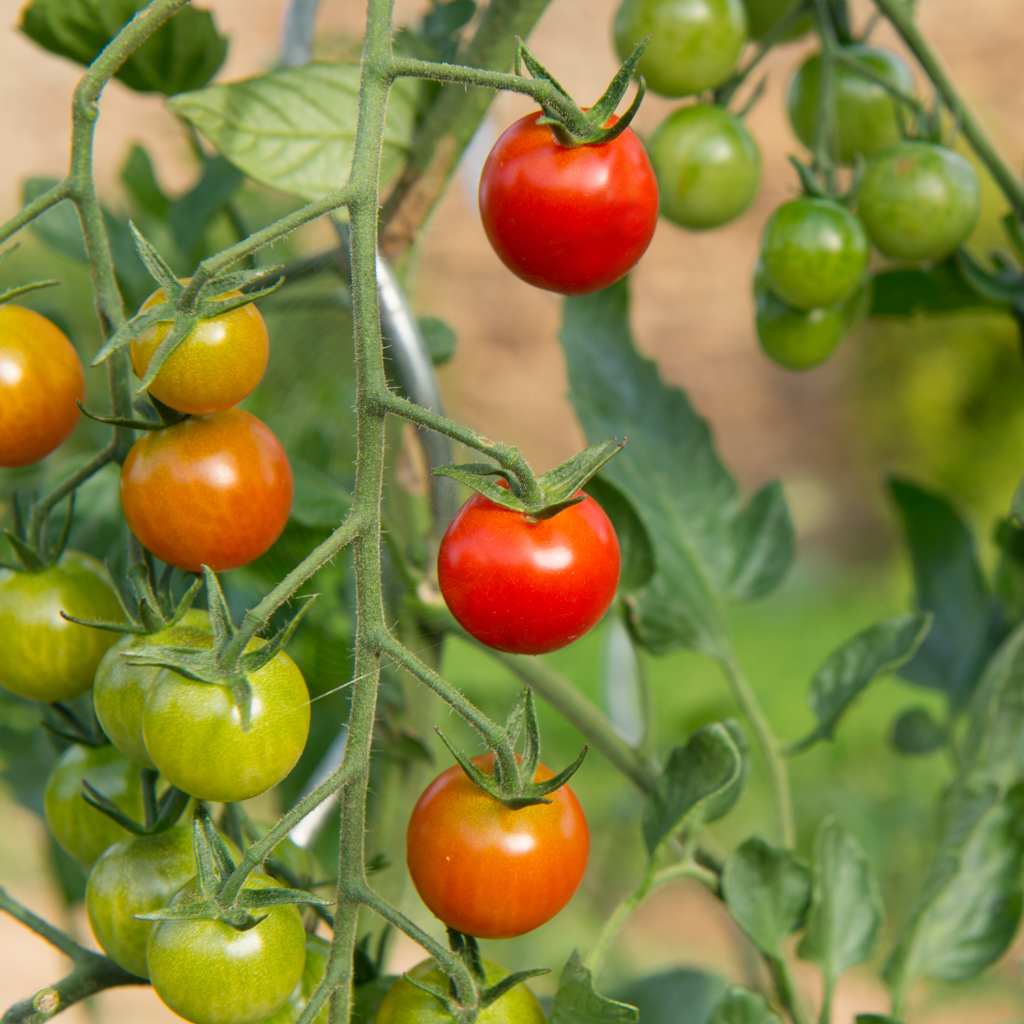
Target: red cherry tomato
x,y
569,219
211,490
490,872
40,378
528,586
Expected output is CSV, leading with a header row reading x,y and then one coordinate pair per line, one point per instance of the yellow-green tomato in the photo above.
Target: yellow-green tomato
x,y
78,827
136,876
193,731
42,655
119,689
708,166
694,43
317,951
211,973
407,1004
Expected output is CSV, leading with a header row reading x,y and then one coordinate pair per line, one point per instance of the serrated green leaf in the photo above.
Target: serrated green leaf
x,y
293,128
849,670
845,918
139,178
768,891
635,546
703,768
916,732
439,337
576,1002
740,1005
190,214
680,996
908,290
764,544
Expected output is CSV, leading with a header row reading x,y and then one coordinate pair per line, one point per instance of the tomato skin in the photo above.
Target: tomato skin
x,y
44,657
708,166
119,689
213,490
865,112
209,973
136,876
407,1004
488,871
919,201
528,587
762,15
696,42
40,379
194,734
317,951
80,829
215,367
814,252
568,219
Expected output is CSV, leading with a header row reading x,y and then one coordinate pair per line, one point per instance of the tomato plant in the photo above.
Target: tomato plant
x,y
708,166
135,876
489,871
215,367
569,219
528,587
317,950
867,119
40,380
211,973
919,201
79,828
46,657
214,490
194,734
694,43
764,15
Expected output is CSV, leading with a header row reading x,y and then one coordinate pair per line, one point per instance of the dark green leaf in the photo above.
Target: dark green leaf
x,y
634,542
439,337
845,917
447,18
767,891
293,128
682,996
139,178
576,1002
905,291
1003,287
740,1005
703,768
719,806
184,53
58,228
967,626
763,542
916,732
319,502
848,671
190,214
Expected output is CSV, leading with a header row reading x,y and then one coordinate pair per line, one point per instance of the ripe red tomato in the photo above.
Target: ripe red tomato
x,y
527,586
40,379
486,870
214,368
569,219
211,490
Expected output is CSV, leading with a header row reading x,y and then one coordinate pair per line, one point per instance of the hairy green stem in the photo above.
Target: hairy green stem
x,y
788,991
826,134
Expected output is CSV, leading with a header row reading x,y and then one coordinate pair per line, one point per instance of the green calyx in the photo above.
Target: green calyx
x,y
553,491
161,813
31,557
573,126
512,782
225,662
215,870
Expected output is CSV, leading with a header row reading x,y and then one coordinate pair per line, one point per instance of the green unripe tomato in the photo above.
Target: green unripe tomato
x,y
407,1004
866,117
814,252
193,731
119,689
78,827
919,201
45,657
708,166
762,16
694,46
210,973
136,876
317,951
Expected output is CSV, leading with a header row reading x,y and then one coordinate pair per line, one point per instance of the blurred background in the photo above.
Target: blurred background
x,y
938,398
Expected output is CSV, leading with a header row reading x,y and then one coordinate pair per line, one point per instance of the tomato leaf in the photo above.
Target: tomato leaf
x,y
740,1005
184,53
681,491
764,544
576,1002
916,732
967,626
845,918
908,290
635,547
293,128
697,772
850,669
768,891
681,996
